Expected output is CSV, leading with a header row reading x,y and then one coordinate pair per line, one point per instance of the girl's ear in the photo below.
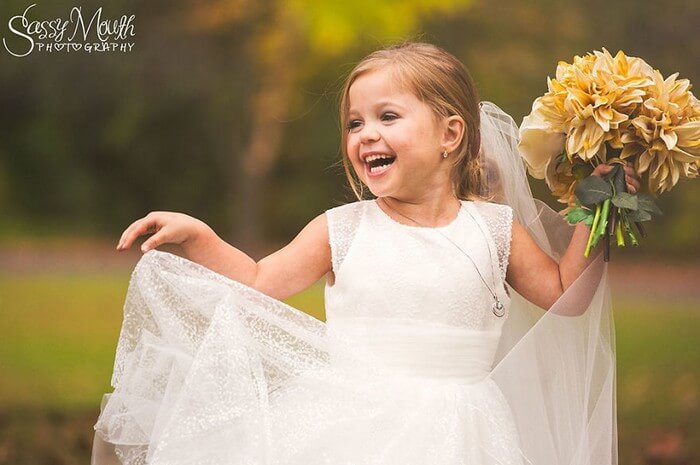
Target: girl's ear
x,y
453,132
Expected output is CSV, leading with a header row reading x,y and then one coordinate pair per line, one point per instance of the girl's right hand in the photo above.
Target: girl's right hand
x,y
631,178
167,227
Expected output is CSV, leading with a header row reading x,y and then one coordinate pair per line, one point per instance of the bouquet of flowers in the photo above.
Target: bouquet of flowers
x,y
620,112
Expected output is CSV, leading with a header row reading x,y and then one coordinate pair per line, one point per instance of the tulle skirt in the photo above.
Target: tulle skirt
x,y
210,371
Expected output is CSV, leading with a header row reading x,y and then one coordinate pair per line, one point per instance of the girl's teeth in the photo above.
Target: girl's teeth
x,y
376,169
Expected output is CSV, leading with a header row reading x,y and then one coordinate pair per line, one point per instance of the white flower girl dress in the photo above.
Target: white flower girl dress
x,y
412,366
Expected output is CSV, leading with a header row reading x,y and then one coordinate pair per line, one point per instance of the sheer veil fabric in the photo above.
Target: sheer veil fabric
x,y
202,360
556,368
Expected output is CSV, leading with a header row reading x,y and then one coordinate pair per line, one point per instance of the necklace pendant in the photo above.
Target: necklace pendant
x,y
498,308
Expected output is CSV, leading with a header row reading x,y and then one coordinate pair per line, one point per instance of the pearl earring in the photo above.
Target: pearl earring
x,y
444,154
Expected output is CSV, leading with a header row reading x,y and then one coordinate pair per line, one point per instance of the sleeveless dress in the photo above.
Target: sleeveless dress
x,y
210,371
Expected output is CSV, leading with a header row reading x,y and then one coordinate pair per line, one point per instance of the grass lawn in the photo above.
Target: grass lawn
x,y
59,333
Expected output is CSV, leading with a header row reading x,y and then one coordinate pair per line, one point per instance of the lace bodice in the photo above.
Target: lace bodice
x,y
386,269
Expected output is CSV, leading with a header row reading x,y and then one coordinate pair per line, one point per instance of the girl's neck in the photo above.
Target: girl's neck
x,y
429,213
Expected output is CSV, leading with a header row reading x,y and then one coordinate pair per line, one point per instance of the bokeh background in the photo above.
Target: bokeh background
x,y
227,111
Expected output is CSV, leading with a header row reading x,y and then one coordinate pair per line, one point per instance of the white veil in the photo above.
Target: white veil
x,y
555,367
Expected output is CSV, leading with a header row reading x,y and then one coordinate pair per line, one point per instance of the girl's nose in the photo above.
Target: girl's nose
x,y
369,133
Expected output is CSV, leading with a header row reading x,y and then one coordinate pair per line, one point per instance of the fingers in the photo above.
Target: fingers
x,y
631,179
154,241
145,225
601,169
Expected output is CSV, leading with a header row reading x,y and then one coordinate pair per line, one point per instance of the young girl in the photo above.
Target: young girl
x,y
436,348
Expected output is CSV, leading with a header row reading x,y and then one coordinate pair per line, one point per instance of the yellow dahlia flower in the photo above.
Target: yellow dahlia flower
x,y
664,137
561,181
601,102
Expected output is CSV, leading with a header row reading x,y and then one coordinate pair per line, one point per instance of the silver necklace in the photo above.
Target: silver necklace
x,y
498,308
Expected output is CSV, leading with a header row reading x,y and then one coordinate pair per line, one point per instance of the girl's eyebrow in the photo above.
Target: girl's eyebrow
x,y
380,104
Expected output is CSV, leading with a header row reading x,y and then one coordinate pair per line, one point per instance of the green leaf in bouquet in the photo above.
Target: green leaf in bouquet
x,y
592,190
578,214
617,176
646,203
638,215
625,200
581,171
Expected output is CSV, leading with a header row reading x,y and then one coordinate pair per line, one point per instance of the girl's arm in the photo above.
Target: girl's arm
x,y
281,274
535,275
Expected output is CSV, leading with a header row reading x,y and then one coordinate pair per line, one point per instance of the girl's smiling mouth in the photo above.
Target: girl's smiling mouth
x,y
377,165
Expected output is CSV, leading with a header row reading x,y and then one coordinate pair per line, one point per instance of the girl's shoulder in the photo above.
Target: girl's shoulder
x,y
498,218
343,221
345,208
493,208
348,214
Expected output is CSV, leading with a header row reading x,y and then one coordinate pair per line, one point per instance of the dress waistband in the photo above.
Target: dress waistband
x,y
416,349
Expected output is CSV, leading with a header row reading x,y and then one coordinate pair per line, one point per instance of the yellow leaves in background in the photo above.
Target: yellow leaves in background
x,y
332,27
328,27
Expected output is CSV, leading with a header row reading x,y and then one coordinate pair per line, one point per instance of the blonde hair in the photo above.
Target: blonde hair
x,y
442,82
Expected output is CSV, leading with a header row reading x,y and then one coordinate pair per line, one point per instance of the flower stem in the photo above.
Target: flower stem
x,y
630,233
603,221
594,227
618,233
606,245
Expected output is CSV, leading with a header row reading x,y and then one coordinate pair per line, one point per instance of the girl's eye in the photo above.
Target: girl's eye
x,y
354,123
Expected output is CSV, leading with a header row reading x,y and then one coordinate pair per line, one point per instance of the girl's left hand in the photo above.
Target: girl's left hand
x,y
631,177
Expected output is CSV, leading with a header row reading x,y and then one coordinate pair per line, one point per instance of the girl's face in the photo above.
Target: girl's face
x,y
385,119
